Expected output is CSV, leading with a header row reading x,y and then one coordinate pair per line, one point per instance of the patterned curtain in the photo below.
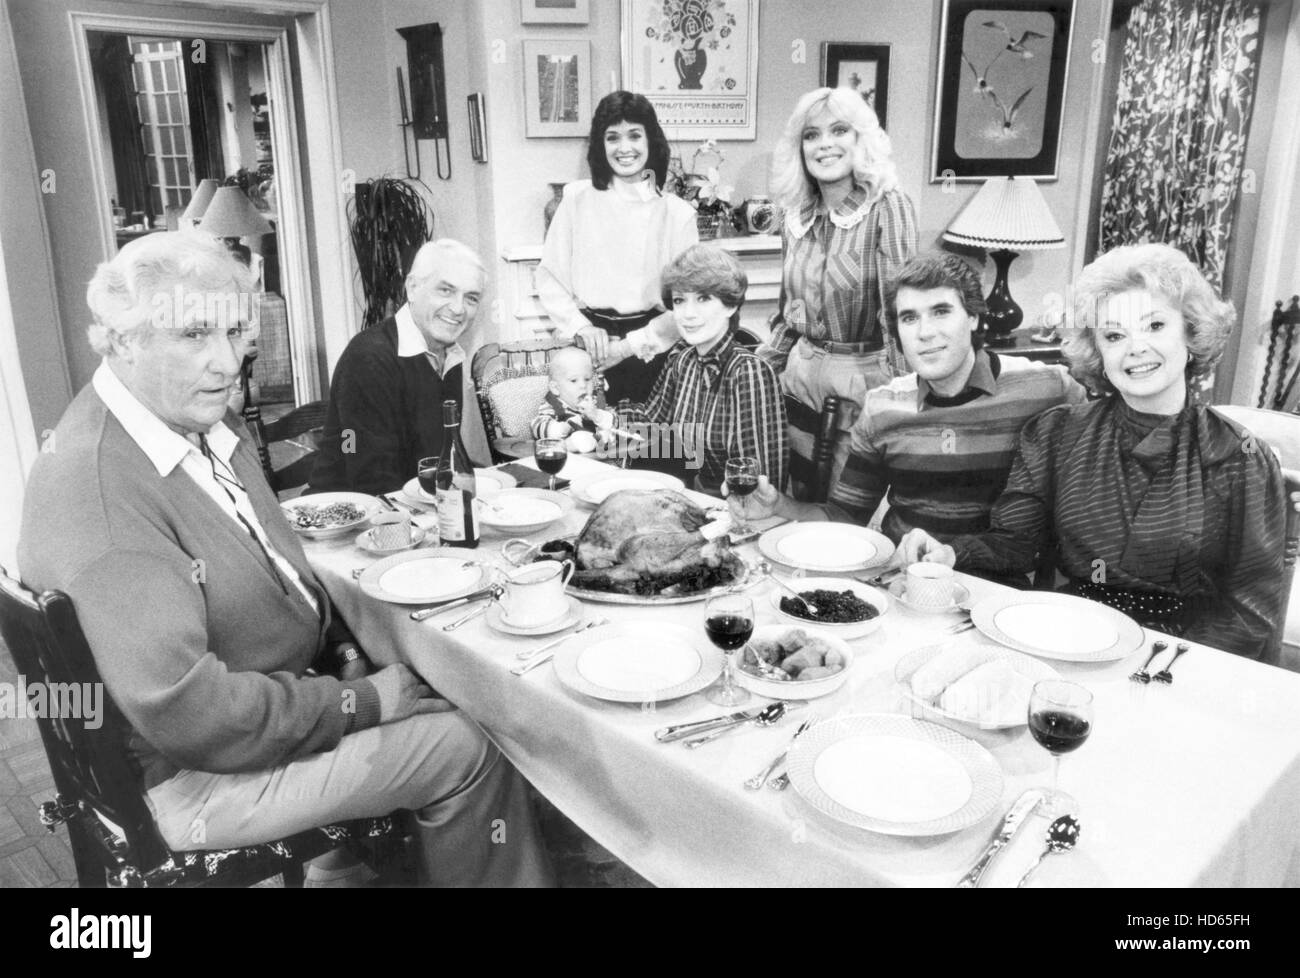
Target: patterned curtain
x,y
1173,167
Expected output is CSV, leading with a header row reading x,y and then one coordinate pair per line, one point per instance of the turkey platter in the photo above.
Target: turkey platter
x,y
648,543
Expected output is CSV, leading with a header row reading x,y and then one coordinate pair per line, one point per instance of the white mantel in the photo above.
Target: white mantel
x,y
760,254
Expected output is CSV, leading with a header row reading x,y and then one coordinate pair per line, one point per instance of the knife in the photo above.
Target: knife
x,y
438,609
683,730
1021,810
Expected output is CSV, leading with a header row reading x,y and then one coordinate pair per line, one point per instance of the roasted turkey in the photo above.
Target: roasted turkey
x,y
649,542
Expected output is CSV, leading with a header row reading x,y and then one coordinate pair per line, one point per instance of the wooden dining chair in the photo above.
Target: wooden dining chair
x,y
291,441
823,454
1281,432
510,382
99,788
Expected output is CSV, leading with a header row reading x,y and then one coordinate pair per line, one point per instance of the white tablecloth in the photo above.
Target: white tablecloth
x,y
1194,784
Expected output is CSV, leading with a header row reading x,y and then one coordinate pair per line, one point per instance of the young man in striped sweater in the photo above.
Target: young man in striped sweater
x,y
938,441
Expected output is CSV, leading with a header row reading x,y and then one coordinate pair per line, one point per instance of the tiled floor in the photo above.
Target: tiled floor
x,y
31,856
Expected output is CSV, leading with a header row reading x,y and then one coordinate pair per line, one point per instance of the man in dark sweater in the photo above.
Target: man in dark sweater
x,y
385,406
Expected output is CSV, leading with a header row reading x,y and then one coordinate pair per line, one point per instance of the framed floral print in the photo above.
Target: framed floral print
x,y
697,63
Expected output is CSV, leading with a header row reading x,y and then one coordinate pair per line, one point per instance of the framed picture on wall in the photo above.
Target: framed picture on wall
x,y
554,11
697,63
861,67
557,88
1001,88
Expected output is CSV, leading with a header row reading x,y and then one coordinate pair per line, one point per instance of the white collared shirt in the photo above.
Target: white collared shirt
x,y
411,343
166,449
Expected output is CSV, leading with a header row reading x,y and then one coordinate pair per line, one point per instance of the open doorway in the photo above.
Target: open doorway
x,y
173,112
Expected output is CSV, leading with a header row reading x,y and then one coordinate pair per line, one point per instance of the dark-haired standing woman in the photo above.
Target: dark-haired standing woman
x,y
611,236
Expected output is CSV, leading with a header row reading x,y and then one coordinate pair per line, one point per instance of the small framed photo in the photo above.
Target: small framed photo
x,y
477,127
554,11
861,67
557,88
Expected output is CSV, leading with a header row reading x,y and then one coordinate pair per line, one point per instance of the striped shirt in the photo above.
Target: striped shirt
x,y
944,460
1180,507
834,270
732,399
553,409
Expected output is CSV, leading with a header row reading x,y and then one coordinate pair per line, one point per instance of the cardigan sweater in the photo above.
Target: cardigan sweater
x,y
198,644
385,414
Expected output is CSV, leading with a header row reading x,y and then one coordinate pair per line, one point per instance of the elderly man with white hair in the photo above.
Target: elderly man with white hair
x,y
205,618
385,406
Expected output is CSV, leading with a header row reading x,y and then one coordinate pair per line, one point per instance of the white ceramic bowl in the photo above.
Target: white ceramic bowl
x,y
846,630
795,689
368,505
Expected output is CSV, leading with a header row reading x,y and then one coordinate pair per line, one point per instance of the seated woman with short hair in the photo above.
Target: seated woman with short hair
x,y
719,399
1160,507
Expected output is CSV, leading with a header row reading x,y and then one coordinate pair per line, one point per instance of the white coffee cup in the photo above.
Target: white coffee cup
x,y
930,586
391,530
534,593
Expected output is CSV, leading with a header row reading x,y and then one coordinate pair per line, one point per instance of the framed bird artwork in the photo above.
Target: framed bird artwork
x,y
1002,74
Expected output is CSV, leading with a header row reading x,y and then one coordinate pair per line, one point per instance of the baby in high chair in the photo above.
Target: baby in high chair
x,y
569,410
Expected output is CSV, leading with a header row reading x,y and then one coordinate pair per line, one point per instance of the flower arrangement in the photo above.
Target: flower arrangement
x,y
705,190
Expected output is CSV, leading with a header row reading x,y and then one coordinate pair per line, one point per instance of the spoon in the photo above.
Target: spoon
x,y
770,714
768,670
766,569
1061,837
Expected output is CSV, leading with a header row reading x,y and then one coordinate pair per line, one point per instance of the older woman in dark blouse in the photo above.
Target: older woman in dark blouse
x,y
1160,507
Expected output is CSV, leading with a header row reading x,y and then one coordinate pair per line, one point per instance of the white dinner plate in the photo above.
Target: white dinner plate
x,y
895,775
638,662
593,491
523,511
369,505
488,482
1058,626
826,547
423,577
985,710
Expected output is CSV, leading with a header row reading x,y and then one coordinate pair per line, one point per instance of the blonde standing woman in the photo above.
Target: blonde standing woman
x,y
847,230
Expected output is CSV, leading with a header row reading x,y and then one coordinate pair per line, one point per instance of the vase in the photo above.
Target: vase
x,y
552,205
690,67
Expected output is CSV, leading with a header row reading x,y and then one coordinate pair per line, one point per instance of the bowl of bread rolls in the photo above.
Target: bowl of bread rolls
x,y
801,663
971,681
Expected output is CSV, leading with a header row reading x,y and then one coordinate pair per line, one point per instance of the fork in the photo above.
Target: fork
x,y
1143,675
759,779
1164,675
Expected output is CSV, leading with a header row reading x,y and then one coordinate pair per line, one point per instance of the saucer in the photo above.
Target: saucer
x,y
366,541
496,620
898,591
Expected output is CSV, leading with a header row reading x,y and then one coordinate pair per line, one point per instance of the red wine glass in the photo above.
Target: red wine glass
x,y
427,472
1060,719
729,622
550,455
741,472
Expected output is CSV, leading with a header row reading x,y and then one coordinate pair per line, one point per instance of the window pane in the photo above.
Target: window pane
x,y
165,138
174,106
156,75
169,73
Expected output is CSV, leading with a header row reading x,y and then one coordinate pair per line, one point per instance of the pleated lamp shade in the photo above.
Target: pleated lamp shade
x,y
232,215
1007,212
199,202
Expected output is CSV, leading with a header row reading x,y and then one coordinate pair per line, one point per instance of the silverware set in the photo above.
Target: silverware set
x,y
779,784
544,653
1165,676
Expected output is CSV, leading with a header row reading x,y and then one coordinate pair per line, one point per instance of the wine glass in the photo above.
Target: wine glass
x,y
742,478
427,471
550,455
729,621
1060,719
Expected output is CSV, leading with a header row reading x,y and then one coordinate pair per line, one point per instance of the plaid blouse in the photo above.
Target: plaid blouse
x,y
732,398
834,270
1181,516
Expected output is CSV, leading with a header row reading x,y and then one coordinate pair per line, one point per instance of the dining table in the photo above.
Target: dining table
x,y
1194,783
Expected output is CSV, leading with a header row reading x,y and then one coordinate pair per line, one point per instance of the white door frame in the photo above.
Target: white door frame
x,y
324,224
1279,208
17,433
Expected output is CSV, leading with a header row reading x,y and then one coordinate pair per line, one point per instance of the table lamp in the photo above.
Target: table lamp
x,y
198,204
231,215
1007,215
